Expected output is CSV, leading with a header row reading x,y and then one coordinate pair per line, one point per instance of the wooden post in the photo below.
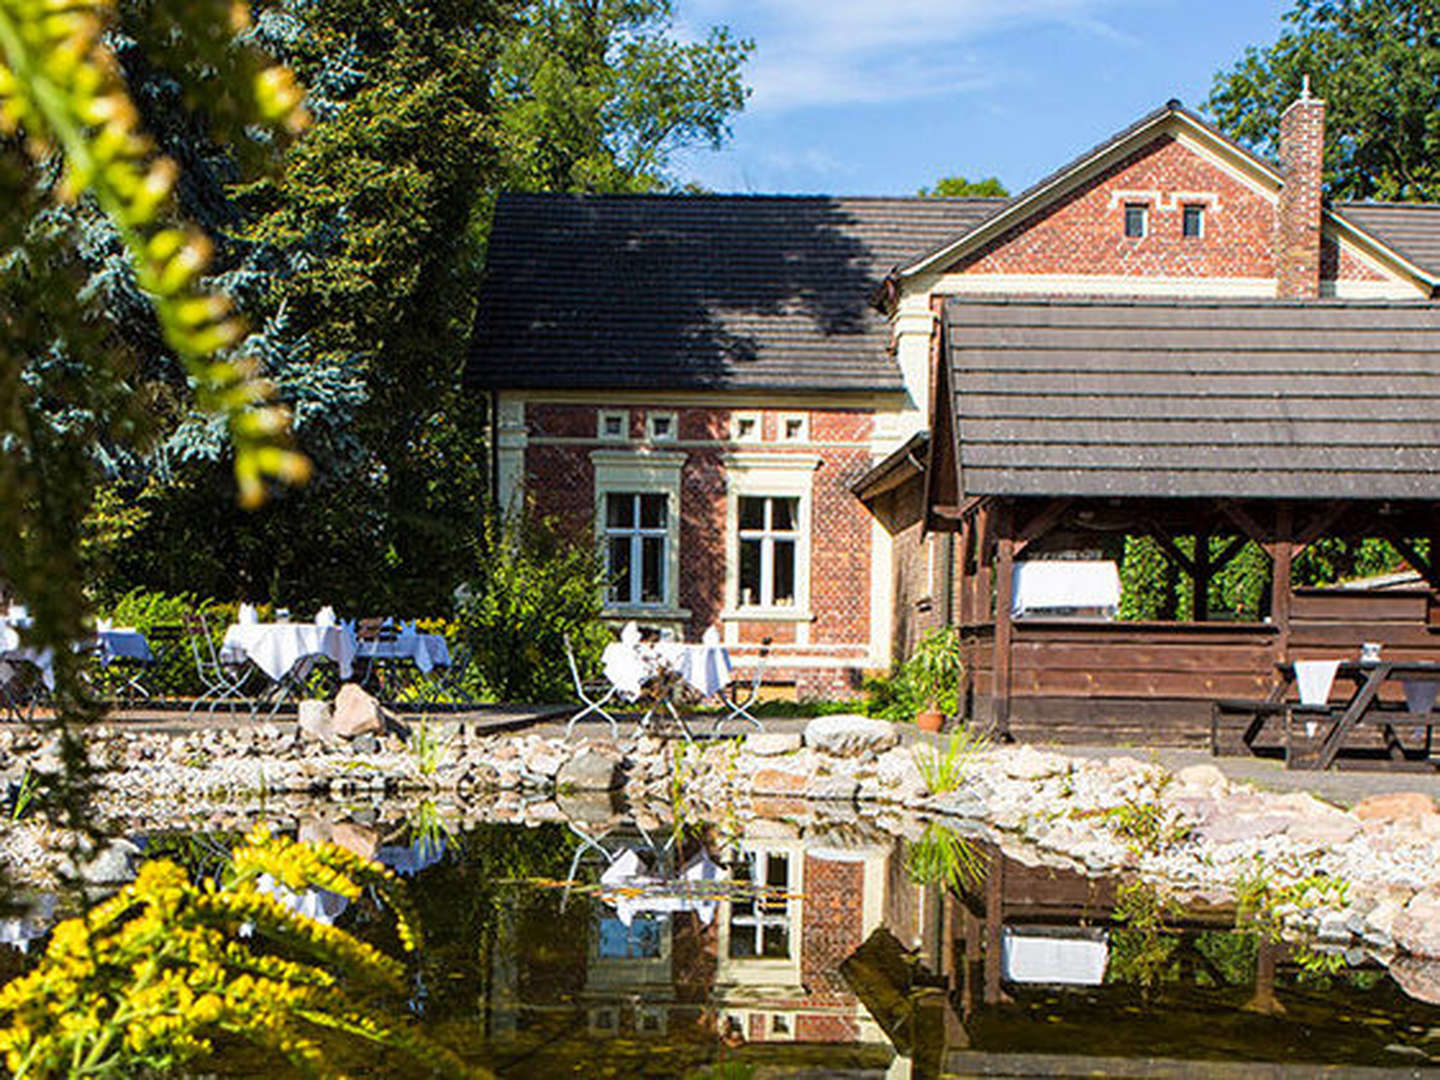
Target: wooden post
x,y
1281,552
1004,600
1200,581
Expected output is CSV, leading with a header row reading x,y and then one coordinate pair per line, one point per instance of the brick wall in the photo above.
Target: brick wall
x,y
560,479
1297,217
833,923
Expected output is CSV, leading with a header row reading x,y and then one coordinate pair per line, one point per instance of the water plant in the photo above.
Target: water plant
x,y
144,982
428,749
945,765
24,794
943,856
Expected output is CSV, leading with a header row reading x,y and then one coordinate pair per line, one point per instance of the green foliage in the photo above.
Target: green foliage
x,y
597,96
146,981
531,585
933,671
1376,63
943,857
1142,951
945,766
949,186
1142,820
1262,902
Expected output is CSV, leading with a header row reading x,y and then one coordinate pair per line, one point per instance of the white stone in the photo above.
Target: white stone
x,y
356,713
315,720
772,743
847,735
1202,778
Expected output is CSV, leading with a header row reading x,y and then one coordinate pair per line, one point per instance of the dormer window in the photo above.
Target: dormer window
x,y
1193,223
1136,215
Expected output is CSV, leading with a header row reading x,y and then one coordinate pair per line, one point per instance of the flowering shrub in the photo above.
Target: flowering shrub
x,y
146,980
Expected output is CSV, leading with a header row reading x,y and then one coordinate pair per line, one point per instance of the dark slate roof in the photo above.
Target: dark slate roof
x,y
693,292
1410,229
1270,399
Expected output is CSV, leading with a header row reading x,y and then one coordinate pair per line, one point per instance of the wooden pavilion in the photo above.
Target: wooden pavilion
x,y
1059,423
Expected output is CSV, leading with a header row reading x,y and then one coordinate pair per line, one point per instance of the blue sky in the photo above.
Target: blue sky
x,y
881,97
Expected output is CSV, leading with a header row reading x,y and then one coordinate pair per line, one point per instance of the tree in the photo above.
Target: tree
x,y
1377,65
949,186
597,95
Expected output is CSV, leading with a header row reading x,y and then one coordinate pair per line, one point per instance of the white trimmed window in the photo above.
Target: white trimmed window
x,y
746,427
769,548
614,425
1136,220
637,527
760,912
636,535
794,427
661,426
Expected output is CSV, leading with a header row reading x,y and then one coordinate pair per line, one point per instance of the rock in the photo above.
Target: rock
x,y
366,744
1333,928
315,720
589,771
356,839
590,807
833,788
848,735
1380,921
1416,930
543,813
113,864
1202,778
1227,829
1395,806
1027,763
543,761
1418,978
772,743
962,803
1325,829
356,713
778,782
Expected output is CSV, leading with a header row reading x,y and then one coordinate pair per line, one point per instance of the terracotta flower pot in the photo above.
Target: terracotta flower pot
x,y
929,719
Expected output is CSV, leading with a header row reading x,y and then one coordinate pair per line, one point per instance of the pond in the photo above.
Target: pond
x,y
615,944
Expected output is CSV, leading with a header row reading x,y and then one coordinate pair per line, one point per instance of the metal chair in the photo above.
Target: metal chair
x,y
740,707
21,688
594,695
222,679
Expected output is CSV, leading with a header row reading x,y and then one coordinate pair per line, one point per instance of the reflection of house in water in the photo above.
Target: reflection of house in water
x,y
765,967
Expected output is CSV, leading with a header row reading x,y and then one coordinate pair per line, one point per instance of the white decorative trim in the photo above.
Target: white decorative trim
x,y
602,421
673,427
1102,285
783,423
762,473
753,420
647,472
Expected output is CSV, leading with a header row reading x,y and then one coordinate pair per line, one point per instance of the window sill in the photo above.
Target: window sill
x,y
658,612
762,614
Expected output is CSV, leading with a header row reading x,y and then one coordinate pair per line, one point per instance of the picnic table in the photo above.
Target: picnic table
x,y
1316,733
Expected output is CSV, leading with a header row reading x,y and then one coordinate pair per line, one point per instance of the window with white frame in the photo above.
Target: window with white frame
x,y
614,425
661,426
794,428
769,543
745,427
760,911
636,536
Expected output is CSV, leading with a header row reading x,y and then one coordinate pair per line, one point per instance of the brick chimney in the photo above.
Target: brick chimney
x,y
1297,216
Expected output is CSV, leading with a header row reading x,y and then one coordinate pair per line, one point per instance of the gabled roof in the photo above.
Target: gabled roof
x,y
1410,239
697,292
1174,398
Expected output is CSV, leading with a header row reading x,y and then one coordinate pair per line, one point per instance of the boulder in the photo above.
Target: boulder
x,y
1416,930
772,743
1027,763
113,864
1228,829
833,788
1418,978
356,713
778,782
357,839
848,735
315,720
1202,778
1394,806
544,762
589,771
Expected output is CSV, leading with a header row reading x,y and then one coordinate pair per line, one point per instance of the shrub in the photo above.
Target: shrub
x,y
930,678
532,585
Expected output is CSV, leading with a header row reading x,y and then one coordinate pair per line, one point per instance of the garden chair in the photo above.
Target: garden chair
x,y
739,706
387,673
20,690
594,695
220,679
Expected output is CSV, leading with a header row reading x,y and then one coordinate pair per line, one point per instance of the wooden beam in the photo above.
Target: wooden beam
x,y
1281,590
959,511
1041,524
1228,553
1004,626
1318,525
1168,547
1248,525
1200,580
1426,567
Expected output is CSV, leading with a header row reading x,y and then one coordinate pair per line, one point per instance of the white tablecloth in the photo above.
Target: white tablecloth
x,y
1048,584
12,652
277,647
706,667
1052,959
425,651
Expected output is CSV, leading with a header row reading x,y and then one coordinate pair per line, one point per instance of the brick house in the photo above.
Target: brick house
x,y
733,395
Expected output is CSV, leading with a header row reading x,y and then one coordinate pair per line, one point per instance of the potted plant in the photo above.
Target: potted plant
x,y
933,672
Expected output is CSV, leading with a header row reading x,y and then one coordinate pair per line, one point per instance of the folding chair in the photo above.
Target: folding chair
x,y
20,690
221,678
594,695
740,707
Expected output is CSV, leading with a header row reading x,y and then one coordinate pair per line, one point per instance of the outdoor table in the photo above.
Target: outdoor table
x,y
426,651
1335,722
123,643
664,668
275,648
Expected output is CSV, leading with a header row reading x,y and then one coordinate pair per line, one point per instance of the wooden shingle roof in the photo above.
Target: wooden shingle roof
x,y
1266,399
698,292
1411,229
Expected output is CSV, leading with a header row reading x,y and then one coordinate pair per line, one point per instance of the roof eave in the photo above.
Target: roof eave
x,y
1379,247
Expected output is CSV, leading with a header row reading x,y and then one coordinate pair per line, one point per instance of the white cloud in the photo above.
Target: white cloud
x,y
813,52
